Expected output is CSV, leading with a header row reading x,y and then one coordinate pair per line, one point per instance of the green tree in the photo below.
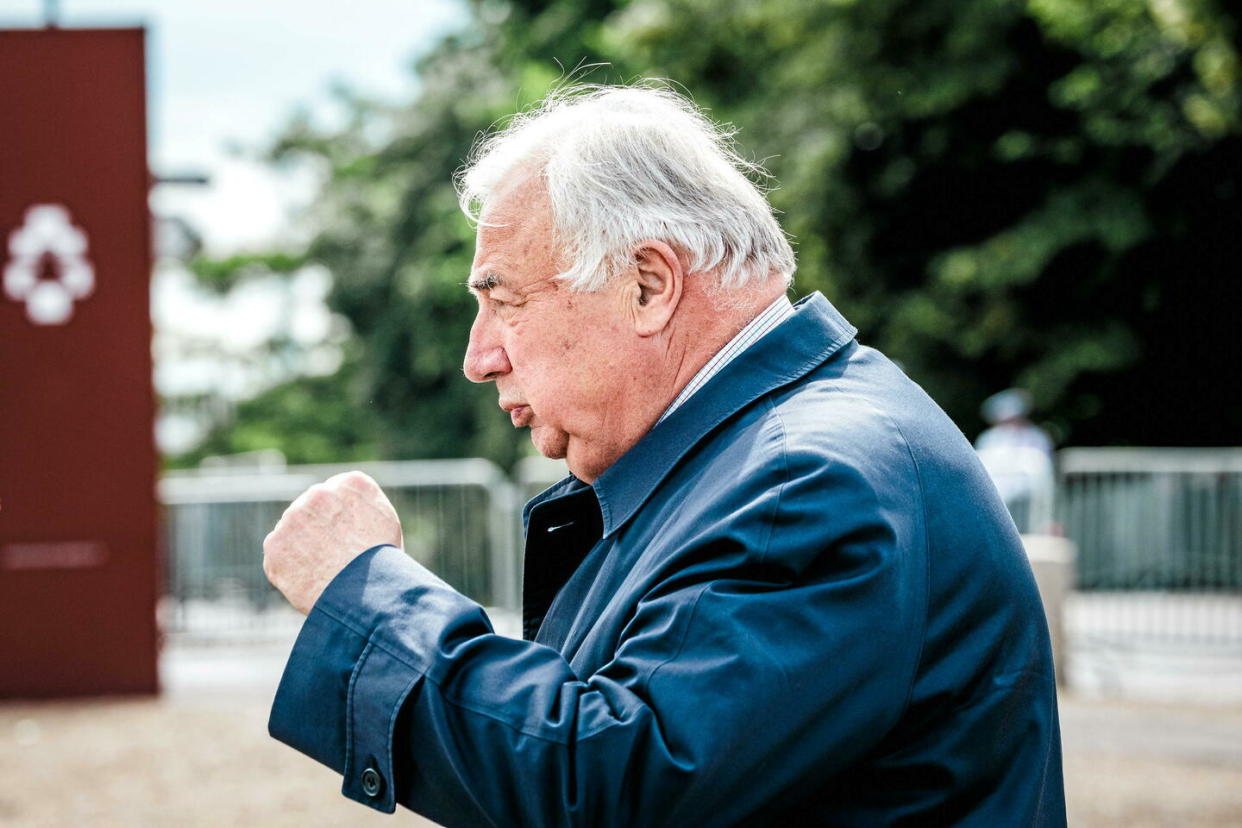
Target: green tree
x,y
1039,193
310,420
399,250
996,192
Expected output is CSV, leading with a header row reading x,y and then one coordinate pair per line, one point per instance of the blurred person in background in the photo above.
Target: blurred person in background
x,y
1019,458
1008,413
776,585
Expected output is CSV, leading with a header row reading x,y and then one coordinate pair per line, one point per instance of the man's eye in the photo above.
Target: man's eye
x,y
502,306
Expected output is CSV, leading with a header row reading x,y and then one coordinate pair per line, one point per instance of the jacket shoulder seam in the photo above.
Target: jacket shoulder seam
x,y
927,557
780,492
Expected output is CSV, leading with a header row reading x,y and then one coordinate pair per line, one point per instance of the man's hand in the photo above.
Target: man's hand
x,y
329,525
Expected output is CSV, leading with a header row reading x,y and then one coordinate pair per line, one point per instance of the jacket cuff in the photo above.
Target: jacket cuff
x,y
378,688
308,711
345,684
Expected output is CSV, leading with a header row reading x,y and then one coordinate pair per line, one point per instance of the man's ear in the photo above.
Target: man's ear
x,y
656,290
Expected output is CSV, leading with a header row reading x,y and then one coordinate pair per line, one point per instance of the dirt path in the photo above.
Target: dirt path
x,y
1147,765
204,759
154,763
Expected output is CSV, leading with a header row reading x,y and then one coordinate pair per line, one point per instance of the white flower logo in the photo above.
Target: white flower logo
x,y
48,268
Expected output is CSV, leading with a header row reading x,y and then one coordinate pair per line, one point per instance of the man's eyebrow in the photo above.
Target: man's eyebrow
x,y
485,282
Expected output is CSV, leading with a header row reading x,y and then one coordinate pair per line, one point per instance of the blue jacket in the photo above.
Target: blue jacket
x,y
797,598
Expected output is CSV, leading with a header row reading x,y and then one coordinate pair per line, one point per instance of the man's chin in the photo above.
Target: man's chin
x,y
549,442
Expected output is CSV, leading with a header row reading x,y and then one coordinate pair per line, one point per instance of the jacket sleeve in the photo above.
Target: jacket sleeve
x,y
748,677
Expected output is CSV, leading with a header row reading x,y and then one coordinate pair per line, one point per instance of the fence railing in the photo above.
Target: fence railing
x,y
1158,534
459,518
1159,547
1154,519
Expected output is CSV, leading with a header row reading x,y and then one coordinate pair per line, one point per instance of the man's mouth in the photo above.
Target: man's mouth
x,y
520,414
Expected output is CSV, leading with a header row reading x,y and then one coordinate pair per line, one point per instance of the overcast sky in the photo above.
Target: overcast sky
x,y
229,73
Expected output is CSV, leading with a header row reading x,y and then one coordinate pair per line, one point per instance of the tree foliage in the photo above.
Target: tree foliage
x,y
1043,193
308,420
997,192
222,275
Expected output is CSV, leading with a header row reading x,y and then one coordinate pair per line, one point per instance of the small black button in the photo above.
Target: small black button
x,y
372,782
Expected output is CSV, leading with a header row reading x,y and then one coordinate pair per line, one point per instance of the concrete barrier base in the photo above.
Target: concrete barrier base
x,y
1052,559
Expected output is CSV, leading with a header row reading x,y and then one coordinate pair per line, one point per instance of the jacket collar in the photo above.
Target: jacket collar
x,y
788,352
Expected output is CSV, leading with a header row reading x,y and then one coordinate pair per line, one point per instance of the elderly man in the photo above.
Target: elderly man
x,y
777,584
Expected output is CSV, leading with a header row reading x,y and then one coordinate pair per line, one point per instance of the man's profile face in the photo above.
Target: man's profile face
x,y
558,358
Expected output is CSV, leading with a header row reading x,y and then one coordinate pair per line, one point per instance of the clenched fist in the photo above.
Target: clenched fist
x,y
329,525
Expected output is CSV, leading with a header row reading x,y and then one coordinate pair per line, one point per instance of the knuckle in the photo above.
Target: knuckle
x,y
358,481
298,503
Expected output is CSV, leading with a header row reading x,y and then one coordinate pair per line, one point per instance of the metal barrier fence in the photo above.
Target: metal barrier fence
x,y
1159,545
459,518
1158,534
1167,519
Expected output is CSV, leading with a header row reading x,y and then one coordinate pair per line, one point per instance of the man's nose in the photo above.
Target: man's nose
x,y
485,357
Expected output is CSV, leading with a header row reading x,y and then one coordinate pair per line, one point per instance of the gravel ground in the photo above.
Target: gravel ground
x,y
204,759
161,763
1148,765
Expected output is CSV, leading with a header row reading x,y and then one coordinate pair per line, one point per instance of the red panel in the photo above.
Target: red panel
x,y
78,566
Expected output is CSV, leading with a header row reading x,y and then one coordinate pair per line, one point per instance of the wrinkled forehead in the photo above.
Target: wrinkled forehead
x,y
516,224
520,193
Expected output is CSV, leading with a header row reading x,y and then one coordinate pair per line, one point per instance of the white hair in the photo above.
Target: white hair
x,y
625,164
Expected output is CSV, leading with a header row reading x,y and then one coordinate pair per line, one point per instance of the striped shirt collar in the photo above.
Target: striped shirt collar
x,y
769,318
